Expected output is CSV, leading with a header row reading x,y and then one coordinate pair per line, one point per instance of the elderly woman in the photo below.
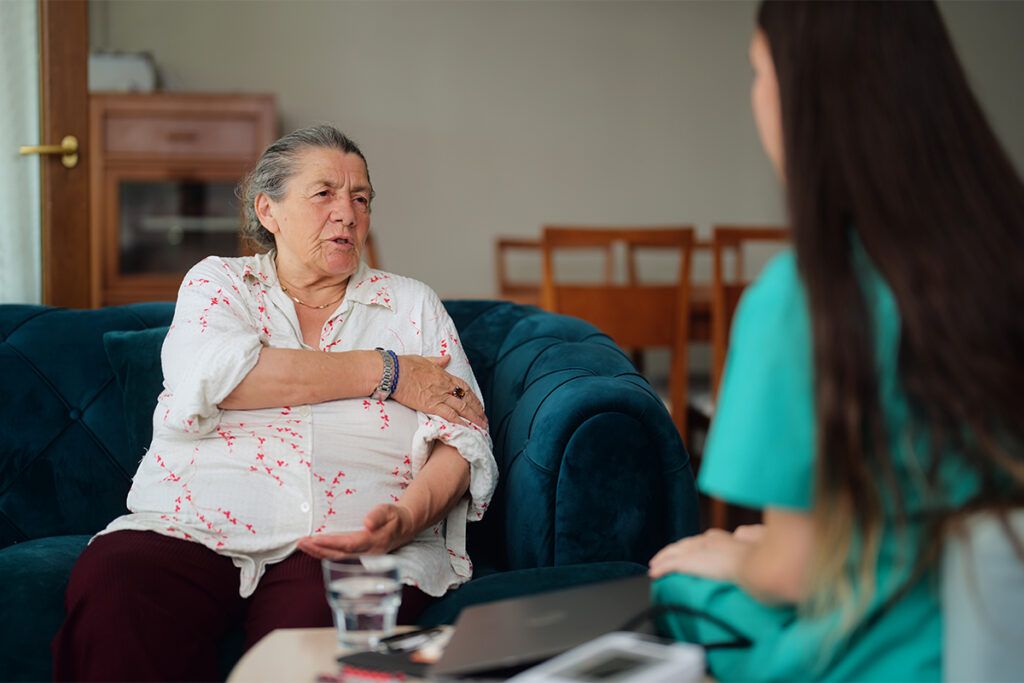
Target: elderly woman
x,y
313,408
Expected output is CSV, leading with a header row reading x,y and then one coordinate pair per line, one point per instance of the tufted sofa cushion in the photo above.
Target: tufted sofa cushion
x,y
135,359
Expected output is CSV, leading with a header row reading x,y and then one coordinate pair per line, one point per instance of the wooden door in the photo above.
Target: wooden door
x,y
64,192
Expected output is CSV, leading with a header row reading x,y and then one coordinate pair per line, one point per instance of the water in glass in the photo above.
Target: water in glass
x,y
364,594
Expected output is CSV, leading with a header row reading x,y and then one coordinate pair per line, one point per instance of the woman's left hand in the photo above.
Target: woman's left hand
x,y
715,554
385,527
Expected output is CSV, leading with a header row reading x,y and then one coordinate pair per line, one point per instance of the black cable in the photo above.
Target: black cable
x,y
652,613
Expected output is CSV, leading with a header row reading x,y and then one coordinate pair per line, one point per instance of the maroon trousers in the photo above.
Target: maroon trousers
x,y
146,607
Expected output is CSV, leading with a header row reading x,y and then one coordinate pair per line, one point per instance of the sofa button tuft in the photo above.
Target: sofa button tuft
x,y
75,414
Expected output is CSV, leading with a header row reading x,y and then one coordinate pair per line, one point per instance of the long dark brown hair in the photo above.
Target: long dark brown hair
x,y
884,139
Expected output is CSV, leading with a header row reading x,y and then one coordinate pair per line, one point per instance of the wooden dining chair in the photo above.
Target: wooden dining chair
x,y
727,286
636,315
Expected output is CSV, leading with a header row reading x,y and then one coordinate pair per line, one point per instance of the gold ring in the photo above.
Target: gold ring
x,y
459,392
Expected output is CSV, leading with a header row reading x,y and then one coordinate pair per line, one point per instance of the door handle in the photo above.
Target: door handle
x,y
68,148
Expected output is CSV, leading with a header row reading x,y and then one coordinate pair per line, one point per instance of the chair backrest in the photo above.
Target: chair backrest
x,y
519,291
983,600
634,315
528,291
727,286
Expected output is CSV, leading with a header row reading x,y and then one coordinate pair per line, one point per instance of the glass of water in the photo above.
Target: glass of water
x,y
364,593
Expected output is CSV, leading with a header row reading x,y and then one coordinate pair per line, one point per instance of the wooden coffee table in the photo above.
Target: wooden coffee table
x,y
296,655
289,654
292,654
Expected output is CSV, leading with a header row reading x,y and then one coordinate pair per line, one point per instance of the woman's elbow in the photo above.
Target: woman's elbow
x,y
236,400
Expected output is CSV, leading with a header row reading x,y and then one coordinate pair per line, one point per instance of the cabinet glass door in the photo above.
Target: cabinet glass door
x,y
169,225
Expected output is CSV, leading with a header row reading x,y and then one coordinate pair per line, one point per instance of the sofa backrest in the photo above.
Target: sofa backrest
x,y
65,466
66,455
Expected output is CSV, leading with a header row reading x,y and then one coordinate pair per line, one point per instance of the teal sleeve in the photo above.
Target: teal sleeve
x,y
760,450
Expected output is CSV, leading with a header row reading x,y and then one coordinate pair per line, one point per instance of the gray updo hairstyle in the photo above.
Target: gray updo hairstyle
x,y
277,165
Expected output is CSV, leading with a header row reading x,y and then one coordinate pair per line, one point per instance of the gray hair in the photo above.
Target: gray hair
x,y
276,167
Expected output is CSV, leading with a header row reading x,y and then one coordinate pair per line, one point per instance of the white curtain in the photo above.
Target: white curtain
x,y
20,248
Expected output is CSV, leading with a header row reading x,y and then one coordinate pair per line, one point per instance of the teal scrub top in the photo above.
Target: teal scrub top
x,y
761,453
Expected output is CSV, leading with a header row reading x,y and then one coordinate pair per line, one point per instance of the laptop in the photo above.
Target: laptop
x,y
512,634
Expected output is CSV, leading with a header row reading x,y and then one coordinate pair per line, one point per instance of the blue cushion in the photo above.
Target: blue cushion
x,y
135,359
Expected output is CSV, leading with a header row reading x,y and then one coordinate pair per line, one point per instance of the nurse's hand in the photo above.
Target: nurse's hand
x,y
385,528
715,554
752,533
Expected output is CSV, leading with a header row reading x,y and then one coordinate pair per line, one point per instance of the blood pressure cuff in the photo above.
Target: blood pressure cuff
x,y
716,615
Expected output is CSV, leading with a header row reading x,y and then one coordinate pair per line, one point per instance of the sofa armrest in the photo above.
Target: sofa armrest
x,y
602,476
593,468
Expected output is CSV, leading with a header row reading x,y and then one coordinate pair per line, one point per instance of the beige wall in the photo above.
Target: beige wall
x,y
487,118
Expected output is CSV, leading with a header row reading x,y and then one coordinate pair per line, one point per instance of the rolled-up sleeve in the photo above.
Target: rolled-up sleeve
x,y
473,443
440,338
212,345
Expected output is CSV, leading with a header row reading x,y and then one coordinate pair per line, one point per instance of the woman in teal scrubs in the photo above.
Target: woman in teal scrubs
x,y
873,389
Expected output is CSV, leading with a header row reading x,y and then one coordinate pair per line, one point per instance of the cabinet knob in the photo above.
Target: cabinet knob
x,y
68,148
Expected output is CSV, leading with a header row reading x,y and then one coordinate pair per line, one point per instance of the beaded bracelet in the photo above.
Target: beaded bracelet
x,y
387,379
394,382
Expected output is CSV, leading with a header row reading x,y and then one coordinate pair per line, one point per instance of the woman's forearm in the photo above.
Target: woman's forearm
x,y
776,570
437,487
290,377
434,491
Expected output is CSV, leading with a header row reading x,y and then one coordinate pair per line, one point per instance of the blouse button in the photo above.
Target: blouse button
x,y
304,507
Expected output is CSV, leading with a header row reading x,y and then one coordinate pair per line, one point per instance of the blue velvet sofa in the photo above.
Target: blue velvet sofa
x,y
594,476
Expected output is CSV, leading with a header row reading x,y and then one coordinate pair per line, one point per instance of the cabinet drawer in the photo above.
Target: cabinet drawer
x,y
175,136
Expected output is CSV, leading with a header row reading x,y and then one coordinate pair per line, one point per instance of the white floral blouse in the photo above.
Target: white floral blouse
x,y
249,484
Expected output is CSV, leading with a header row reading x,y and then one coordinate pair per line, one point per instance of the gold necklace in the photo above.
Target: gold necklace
x,y
303,303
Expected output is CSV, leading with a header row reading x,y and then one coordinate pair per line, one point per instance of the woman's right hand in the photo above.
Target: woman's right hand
x,y
424,385
715,554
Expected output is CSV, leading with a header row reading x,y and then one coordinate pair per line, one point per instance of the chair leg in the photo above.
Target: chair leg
x,y
719,514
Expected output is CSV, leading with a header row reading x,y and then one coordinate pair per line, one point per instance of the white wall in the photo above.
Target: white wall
x,y
989,39
486,118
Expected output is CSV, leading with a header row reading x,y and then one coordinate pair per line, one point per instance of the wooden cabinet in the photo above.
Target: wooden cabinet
x,y
163,175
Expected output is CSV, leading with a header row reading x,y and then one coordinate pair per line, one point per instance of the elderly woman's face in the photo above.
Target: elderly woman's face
x,y
321,223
